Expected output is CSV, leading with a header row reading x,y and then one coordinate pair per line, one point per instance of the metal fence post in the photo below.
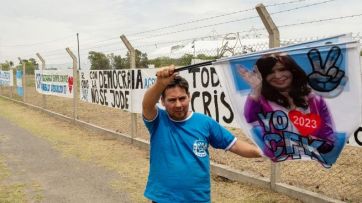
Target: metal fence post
x,y
75,82
42,68
274,41
132,52
24,81
11,87
274,38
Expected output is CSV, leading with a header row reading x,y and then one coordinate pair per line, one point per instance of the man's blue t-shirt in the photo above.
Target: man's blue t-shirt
x,y
179,161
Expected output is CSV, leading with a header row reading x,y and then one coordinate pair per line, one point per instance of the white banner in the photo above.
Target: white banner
x,y
110,88
356,138
6,78
207,95
54,82
124,89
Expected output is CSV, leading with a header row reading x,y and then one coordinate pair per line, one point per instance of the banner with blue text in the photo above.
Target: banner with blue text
x,y
6,78
54,82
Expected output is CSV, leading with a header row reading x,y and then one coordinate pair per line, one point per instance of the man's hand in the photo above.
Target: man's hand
x,y
165,75
253,78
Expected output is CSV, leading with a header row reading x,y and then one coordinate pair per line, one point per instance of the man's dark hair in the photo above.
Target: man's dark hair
x,y
177,82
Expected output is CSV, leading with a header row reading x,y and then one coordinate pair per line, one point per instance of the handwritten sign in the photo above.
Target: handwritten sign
x,y
54,82
6,78
124,89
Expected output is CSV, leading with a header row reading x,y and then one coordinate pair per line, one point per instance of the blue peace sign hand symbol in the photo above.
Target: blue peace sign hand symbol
x,y
326,76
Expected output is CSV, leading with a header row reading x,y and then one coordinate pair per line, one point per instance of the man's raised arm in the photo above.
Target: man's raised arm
x,y
152,96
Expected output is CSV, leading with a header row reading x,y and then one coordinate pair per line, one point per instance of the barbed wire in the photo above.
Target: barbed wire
x,y
175,25
197,38
257,29
242,49
320,20
201,19
212,17
207,36
232,21
247,18
244,31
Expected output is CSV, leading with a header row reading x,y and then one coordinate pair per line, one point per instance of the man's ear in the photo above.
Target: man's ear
x,y
162,101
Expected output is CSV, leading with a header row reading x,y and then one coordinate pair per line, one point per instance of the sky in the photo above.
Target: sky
x,y
48,27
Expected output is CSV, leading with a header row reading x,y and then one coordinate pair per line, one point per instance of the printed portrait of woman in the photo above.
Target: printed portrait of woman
x,y
278,83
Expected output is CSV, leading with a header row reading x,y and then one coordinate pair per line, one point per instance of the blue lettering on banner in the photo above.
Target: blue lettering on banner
x,y
148,82
2,82
59,89
286,144
45,87
5,75
279,120
293,144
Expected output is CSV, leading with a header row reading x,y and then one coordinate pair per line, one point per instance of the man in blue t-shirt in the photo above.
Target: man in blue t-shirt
x,y
179,157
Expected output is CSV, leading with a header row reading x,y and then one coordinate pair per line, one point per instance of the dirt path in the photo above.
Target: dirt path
x,y
49,175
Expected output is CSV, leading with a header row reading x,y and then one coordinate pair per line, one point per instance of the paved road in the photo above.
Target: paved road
x,y
62,179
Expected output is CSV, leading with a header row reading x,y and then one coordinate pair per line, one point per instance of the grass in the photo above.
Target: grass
x,y
9,193
129,162
16,192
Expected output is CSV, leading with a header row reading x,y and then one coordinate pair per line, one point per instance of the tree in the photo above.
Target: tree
x,y
7,65
141,59
33,61
185,60
30,65
99,61
161,61
205,57
117,61
165,61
